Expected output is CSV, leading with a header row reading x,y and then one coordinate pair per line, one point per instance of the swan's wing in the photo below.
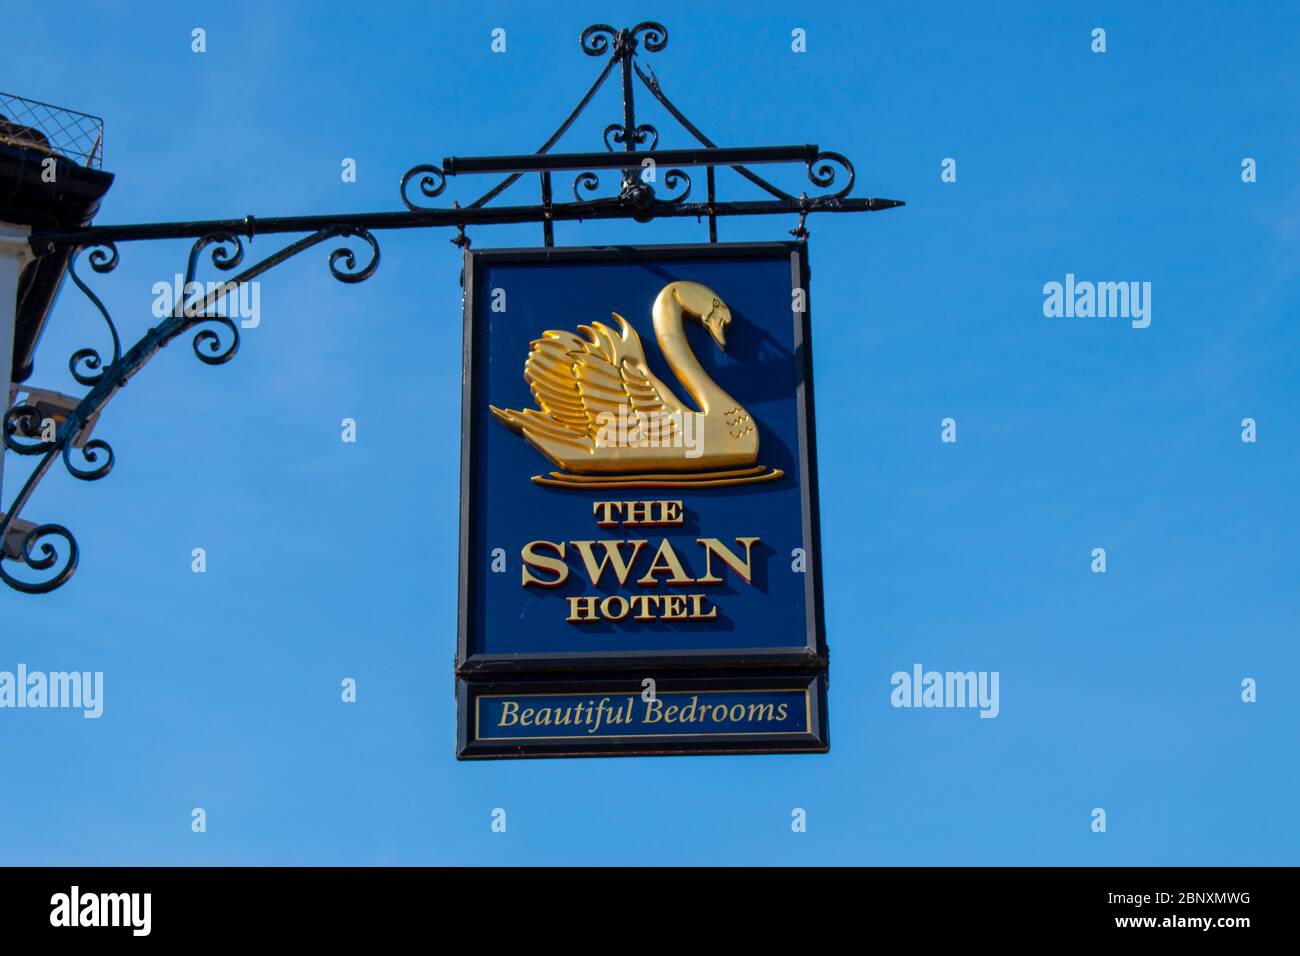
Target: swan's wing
x,y
550,373
579,380
646,394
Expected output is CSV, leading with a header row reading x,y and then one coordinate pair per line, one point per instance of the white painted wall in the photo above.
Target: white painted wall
x,y
14,254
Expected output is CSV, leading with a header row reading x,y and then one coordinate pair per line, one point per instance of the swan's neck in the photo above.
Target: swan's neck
x,y
669,331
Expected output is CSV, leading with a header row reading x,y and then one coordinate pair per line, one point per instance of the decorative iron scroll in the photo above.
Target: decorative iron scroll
x,y
51,550
215,343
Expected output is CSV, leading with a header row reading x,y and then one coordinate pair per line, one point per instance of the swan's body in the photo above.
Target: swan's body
x,y
583,383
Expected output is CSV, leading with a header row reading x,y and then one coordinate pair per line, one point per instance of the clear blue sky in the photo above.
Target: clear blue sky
x,y
328,560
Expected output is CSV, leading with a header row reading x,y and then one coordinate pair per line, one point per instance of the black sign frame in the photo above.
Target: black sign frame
x,y
623,671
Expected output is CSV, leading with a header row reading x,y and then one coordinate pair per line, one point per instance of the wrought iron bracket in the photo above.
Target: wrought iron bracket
x,y
631,149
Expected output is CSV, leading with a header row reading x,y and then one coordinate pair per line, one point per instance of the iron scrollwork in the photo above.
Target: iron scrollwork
x,y
52,550
616,135
48,557
822,174
93,459
596,39
86,364
432,181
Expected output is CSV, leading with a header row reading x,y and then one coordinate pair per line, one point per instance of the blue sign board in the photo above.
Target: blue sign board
x,y
639,498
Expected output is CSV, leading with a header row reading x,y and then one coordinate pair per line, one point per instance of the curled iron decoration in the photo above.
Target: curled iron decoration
x,y
654,36
94,459
103,257
671,180
596,38
822,174
227,253
207,344
48,558
87,365
637,193
24,420
97,453
614,136
216,331
588,181
350,273
432,182
223,258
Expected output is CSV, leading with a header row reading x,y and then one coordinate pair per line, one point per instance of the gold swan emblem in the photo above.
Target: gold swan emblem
x,y
609,422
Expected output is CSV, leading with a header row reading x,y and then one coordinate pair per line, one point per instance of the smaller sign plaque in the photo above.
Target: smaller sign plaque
x,y
603,716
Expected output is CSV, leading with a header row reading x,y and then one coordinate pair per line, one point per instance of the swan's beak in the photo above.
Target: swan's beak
x,y
717,329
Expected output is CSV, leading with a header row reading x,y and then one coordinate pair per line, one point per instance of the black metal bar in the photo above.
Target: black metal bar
x,y
223,240
505,184
720,156
186,315
652,84
627,47
713,217
43,242
548,225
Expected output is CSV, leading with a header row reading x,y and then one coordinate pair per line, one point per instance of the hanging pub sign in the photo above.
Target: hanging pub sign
x,y
639,557
639,544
